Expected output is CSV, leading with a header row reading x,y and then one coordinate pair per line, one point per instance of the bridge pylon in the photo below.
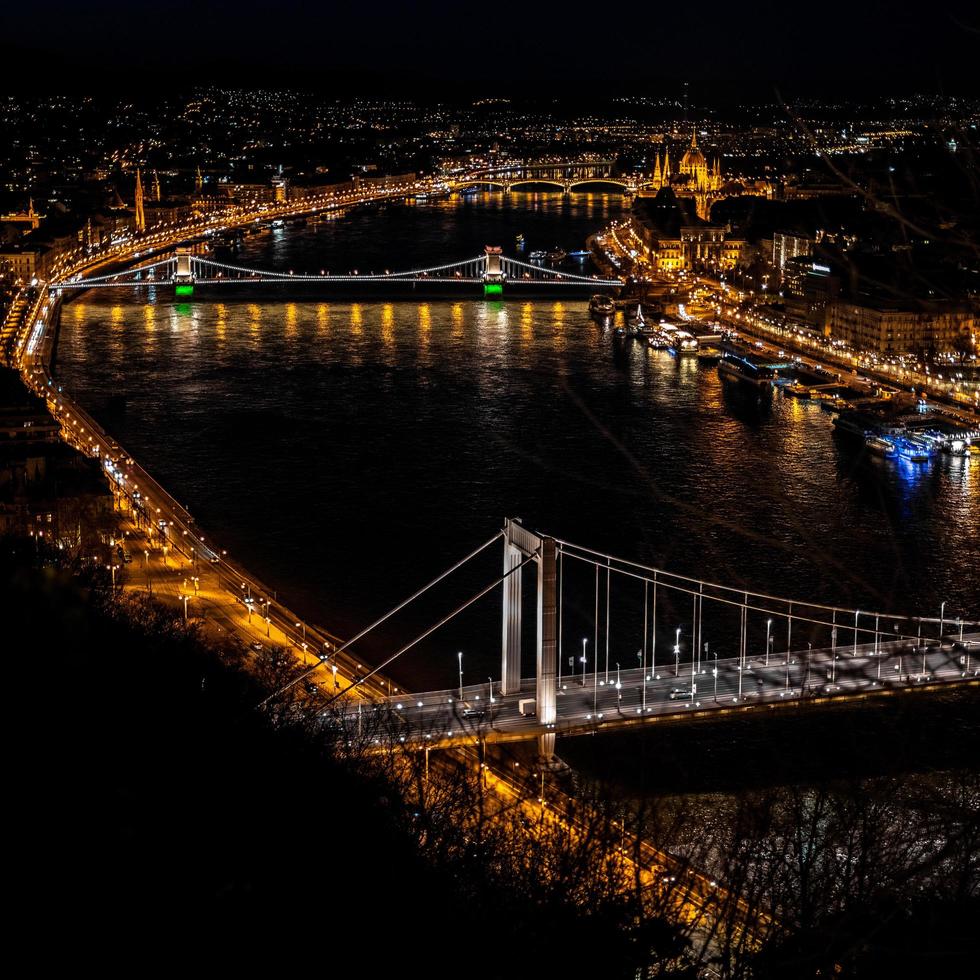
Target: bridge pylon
x,y
520,544
184,273
493,273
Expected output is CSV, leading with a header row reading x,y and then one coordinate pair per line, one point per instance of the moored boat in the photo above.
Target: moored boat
x,y
601,305
880,447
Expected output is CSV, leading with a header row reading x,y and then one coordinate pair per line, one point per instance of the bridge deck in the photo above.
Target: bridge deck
x,y
587,703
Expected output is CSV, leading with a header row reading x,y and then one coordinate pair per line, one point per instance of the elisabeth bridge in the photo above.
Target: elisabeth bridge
x,y
690,650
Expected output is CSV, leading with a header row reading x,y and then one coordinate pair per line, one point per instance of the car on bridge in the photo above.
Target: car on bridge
x,y
680,694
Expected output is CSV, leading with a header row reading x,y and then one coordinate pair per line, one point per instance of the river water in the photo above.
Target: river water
x,y
346,452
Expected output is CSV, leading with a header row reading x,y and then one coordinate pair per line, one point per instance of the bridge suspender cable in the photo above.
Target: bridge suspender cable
x,y
387,615
442,622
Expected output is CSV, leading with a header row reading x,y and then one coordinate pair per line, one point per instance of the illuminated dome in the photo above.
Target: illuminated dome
x,y
693,160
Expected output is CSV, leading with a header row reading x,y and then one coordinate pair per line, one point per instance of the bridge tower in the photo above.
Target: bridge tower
x,y
493,273
184,273
520,544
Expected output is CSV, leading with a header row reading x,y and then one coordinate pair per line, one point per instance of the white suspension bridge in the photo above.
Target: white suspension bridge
x,y
692,649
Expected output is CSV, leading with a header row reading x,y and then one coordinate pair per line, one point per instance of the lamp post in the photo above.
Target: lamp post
x,y
185,598
460,657
714,671
857,612
768,638
942,615
583,659
677,651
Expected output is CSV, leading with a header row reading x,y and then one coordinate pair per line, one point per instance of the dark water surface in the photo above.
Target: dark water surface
x,y
347,452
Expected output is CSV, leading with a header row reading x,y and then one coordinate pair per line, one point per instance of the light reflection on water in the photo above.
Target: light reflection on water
x,y
347,451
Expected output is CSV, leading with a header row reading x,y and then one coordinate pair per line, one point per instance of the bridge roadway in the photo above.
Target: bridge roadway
x,y
590,703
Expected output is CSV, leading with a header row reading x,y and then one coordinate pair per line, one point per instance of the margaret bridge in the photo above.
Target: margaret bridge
x,y
566,177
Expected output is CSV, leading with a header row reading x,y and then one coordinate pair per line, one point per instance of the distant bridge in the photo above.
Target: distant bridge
x,y
184,270
566,177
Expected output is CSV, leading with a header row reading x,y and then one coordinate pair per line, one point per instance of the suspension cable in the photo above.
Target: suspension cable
x,y
387,615
442,622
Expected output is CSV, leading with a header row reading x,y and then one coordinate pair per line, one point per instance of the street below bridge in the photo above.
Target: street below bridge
x,y
677,691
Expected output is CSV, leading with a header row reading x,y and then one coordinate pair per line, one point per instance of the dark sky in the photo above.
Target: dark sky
x,y
821,45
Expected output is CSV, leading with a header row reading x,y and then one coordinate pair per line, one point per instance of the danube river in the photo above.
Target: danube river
x,y
346,452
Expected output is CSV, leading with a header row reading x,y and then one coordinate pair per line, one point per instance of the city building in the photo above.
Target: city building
x,y
696,178
885,329
676,240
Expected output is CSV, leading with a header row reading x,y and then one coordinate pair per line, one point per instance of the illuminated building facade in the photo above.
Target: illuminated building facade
x,y
676,240
696,178
888,330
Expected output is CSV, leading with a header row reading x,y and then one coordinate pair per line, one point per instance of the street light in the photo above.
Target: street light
x,y
715,672
857,612
768,638
460,656
583,659
942,614
677,651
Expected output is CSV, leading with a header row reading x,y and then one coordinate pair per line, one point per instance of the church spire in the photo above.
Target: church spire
x,y
198,180
657,177
156,186
140,215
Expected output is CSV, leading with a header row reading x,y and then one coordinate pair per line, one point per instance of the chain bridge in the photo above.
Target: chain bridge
x,y
491,270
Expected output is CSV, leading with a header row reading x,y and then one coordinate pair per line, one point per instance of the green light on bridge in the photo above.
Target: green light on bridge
x,y
493,289
184,289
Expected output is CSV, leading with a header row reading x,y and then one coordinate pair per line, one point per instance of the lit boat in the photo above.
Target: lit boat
x,y
601,305
685,343
557,255
880,447
538,256
745,375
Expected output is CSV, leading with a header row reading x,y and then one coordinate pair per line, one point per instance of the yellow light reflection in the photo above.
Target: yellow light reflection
x,y
388,325
356,319
457,316
527,323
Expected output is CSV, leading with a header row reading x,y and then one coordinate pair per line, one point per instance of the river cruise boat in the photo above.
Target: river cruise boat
x,y
740,373
880,447
601,305
684,343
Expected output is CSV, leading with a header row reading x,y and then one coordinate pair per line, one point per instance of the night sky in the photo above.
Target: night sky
x,y
823,47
